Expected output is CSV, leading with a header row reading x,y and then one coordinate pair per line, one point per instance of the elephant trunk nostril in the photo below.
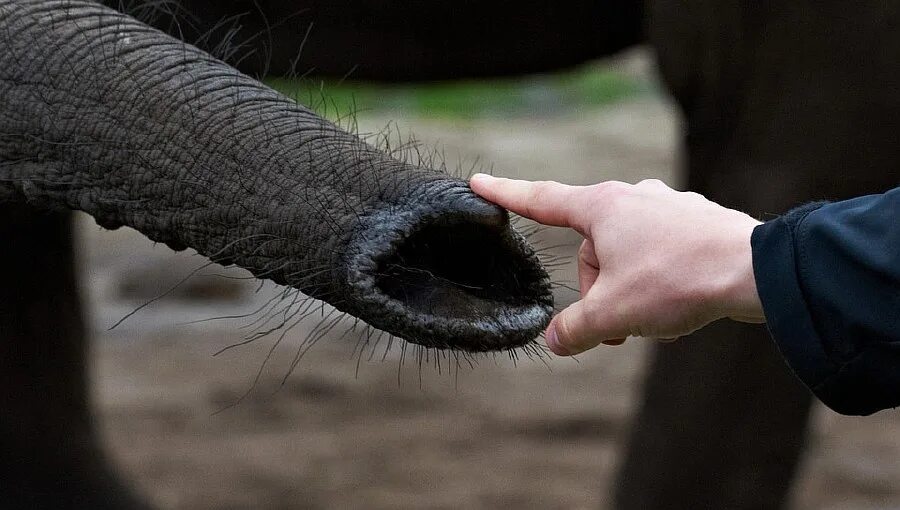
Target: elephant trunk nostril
x,y
452,276
452,270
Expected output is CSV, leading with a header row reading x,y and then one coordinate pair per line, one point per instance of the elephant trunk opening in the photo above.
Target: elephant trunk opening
x,y
449,274
103,114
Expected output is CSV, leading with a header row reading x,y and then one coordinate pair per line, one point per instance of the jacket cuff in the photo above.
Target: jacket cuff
x,y
783,301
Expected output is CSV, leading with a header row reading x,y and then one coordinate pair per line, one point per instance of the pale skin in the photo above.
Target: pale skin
x,y
655,262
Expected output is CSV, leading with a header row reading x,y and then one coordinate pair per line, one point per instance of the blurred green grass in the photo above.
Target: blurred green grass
x,y
529,95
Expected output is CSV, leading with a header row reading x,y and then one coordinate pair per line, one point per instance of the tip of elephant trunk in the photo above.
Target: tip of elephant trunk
x,y
450,274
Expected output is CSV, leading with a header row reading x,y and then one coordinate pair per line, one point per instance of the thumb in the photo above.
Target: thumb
x,y
574,331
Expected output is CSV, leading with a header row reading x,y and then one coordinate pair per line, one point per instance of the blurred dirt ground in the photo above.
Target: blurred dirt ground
x,y
374,434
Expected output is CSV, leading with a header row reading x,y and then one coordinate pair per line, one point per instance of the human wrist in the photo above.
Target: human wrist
x,y
735,296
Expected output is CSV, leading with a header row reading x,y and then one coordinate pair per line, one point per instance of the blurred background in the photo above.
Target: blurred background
x,y
356,426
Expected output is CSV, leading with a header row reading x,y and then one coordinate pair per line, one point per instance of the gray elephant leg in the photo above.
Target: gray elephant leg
x,y
722,425
49,456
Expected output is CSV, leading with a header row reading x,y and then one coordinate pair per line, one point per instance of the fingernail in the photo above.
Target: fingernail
x,y
480,176
553,343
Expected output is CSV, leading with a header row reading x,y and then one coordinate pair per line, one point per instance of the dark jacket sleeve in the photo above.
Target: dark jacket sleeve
x,y
828,276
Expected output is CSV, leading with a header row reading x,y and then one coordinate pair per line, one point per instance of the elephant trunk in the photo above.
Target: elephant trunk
x,y
101,113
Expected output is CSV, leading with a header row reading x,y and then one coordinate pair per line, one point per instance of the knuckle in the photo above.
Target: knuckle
x,y
654,185
694,195
608,196
537,198
611,187
541,190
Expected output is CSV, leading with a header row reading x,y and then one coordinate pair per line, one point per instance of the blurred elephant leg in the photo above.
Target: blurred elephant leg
x,y
722,425
49,457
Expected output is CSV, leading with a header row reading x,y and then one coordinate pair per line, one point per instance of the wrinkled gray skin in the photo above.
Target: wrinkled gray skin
x,y
783,102
103,114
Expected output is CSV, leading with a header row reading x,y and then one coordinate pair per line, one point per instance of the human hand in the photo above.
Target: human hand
x,y
654,263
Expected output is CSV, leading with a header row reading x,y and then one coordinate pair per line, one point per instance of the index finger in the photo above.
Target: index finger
x,y
547,202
